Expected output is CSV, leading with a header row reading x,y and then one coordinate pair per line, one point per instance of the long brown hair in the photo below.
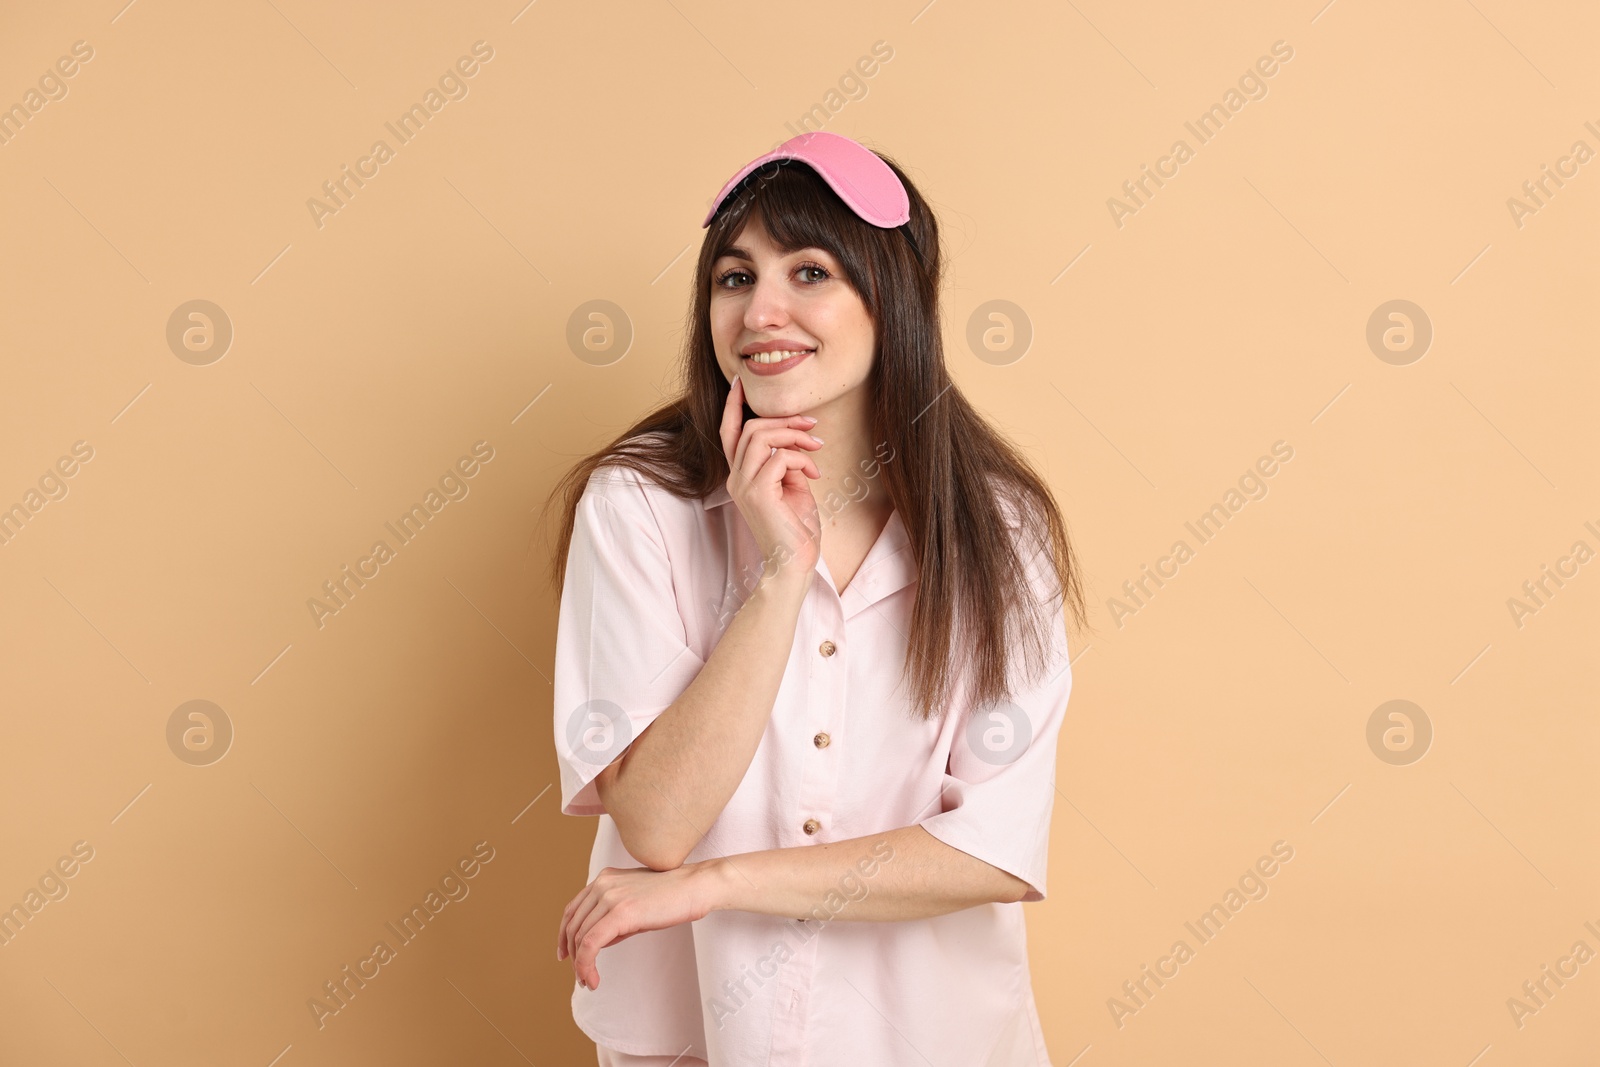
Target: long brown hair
x,y
974,603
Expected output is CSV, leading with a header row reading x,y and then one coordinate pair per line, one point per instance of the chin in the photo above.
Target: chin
x,y
772,403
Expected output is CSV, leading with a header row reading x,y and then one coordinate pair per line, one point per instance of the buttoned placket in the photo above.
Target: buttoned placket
x,y
822,715
825,713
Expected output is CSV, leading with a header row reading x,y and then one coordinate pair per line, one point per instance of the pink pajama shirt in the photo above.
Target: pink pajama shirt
x,y
652,582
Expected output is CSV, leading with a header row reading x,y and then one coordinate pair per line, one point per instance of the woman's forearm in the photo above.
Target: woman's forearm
x,y
902,874
675,778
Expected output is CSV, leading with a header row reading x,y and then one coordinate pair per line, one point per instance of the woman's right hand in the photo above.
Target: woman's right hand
x,y
770,488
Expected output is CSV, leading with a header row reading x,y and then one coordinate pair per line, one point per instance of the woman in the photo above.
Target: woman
x,y
811,662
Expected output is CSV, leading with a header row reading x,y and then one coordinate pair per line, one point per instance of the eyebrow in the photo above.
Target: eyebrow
x,y
736,252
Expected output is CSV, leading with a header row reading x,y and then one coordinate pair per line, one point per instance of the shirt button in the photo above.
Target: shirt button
x,y
827,648
821,740
811,826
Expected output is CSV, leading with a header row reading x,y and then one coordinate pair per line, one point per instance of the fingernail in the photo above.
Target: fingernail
x,y
810,418
815,438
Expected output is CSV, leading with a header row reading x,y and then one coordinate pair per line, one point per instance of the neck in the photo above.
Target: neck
x,y
851,463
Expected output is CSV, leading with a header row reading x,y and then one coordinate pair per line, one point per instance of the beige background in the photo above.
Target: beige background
x,y
1168,354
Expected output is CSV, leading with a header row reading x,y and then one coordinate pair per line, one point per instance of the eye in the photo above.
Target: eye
x,y
809,274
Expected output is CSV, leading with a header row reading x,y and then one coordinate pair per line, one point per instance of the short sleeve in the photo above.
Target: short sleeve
x,y
999,786
622,656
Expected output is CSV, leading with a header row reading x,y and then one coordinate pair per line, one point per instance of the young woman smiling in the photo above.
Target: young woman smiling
x,y
786,713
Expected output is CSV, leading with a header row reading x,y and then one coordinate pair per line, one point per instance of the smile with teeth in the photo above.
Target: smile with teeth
x,y
777,357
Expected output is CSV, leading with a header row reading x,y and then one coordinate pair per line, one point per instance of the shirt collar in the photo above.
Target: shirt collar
x,y
888,568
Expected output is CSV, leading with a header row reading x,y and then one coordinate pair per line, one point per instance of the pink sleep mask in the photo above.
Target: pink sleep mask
x,y
863,181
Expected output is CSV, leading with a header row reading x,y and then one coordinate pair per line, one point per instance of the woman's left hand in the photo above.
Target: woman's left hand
x,y
623,901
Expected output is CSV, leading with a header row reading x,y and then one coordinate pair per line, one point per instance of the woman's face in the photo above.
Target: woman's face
x,y
762,298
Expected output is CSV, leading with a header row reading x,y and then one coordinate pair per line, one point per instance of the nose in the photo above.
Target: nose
x,y
768,308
